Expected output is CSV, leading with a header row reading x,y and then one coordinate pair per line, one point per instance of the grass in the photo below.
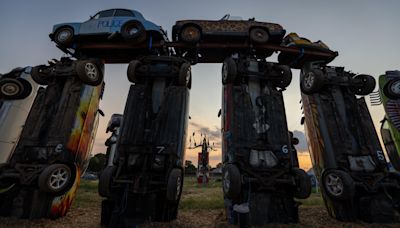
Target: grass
x,y
195,196
87,195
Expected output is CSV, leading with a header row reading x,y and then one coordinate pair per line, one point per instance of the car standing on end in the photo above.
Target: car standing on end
x,y
17,92
106,24
390,129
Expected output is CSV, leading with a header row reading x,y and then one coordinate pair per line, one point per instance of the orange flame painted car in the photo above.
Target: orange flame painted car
x,y
53,150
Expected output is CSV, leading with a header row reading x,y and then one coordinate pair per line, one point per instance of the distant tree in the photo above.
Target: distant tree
x,y
97,163
189,167
219,165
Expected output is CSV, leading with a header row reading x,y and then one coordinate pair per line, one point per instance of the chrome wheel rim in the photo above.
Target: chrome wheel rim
x,y
64,36
91,71
227,182
224,72
59,178
334,184
395,88
10,89
178,187
309,80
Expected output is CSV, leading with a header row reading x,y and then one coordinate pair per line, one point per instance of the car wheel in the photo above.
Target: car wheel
x,y
64,36
131,72
56,179
367,84
10,88
185,74
258,35
134,32
26,88
229,71
174,185
38,75
231,181
190,34
303,184
89,72
392,89
338,184
285,76
312,82
105,181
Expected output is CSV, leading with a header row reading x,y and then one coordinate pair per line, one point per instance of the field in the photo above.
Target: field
x,y
200,207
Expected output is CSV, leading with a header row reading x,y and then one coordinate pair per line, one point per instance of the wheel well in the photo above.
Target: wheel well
x,y
191,24
65,26
260,27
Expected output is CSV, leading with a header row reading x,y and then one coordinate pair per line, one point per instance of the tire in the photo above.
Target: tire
x,y
64,36
190,34
392,89
258,35
27,88
303,184
185,75
338,184
89,72
131,71
285,76
174,185
231,181
38,75
10,88
368,84
229,71
312,82
133,31
105,181
56,179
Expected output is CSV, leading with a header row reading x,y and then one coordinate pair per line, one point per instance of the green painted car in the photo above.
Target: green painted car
x,y
389,91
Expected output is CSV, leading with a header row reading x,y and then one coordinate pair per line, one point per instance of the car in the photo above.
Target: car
x,y
108,24
389,95
297,60
53,150
345,150
260,169
227,29
18,92
145,179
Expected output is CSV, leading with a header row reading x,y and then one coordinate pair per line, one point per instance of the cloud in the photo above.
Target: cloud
x,y
302,146
214,135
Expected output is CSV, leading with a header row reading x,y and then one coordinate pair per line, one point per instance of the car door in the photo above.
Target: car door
x,y
100,23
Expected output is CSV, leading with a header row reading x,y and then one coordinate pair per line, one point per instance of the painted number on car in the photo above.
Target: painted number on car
x,y
285,149
380,155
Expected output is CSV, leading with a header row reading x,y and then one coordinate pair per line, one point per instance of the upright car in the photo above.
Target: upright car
x,y
17,92
54,148
260,173
145,179
345,150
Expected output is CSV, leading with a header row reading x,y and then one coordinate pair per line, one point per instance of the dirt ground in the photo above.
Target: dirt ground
x,y
195,212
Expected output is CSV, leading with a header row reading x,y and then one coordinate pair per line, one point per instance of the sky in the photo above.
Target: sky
x,y
365,33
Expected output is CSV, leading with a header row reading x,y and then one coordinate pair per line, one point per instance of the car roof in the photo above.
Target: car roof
x,y
135,11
